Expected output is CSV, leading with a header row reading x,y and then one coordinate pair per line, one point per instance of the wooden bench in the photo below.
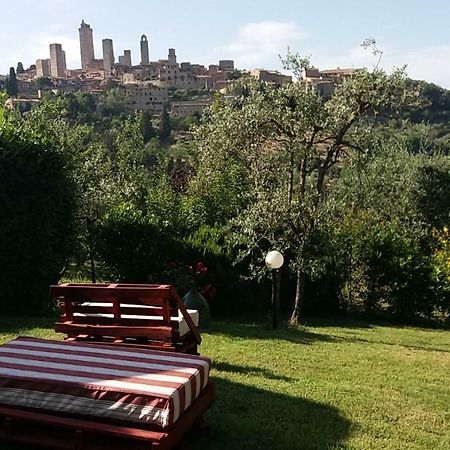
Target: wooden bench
x,y
148,315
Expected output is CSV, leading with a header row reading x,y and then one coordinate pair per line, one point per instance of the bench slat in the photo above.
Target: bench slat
x,y
161,333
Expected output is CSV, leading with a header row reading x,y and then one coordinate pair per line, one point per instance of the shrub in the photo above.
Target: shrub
x,y
131,246
36,204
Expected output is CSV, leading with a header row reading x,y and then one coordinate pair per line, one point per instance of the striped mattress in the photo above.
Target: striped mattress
x,y
97,381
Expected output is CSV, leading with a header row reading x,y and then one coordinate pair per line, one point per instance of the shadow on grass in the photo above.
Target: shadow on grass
x,y
258,331
342,321
354,339
247,418
249,370
244,417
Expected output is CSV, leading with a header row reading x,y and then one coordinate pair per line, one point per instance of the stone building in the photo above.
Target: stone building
x,y
43,68
96,65
57,61
324,82
226,65
271,76
337,76
86,45
187,108
125,59
145,96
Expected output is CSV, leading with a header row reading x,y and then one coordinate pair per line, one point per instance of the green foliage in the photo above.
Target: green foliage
x,y
44,82
185,123
11,83
437,107
132,245
148,132
112,104
434,195
37,200
379,256
164,129
356,200
286,143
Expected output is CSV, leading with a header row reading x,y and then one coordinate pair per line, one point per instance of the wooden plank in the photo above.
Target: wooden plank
x,y
186,315
129,342
68,309
160,333
174,325
99,291
79,424
116,310
138,310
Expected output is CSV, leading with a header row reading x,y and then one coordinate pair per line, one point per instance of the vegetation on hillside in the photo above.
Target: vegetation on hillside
x,y
353,189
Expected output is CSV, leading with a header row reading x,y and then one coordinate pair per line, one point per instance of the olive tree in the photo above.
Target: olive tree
x,y
290,143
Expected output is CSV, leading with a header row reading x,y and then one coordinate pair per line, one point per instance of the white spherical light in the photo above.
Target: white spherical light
x,y
274,260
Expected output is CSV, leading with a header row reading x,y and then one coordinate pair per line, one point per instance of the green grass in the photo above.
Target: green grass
x,y
325,386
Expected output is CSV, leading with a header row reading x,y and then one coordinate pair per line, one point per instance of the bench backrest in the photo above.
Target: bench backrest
x,y
122,311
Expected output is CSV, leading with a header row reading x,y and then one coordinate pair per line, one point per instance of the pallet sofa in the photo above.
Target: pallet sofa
x,y
120,387
139,315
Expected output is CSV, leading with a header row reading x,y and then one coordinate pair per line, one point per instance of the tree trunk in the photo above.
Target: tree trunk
x,y
303,177
299,296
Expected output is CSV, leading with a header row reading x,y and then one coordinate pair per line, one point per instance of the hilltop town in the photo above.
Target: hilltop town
x,y
148,85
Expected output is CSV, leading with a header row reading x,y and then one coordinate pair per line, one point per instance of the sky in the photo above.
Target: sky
x,y
254,33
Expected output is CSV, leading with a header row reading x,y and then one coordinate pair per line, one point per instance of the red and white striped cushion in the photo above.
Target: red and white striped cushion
x,y
136,385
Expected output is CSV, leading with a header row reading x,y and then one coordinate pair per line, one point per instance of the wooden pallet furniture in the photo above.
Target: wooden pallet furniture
x,y
87,401
147,315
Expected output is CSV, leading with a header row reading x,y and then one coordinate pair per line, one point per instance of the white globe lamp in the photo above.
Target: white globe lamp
x,y
274,260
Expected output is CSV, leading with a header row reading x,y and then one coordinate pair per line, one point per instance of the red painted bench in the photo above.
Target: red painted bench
x,y
136,315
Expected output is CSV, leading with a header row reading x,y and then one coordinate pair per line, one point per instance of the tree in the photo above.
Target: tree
x,y
44,82
148,132
165,128
20,68
11,83
289,142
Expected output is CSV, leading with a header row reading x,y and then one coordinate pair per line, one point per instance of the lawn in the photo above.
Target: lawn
x,y
328,385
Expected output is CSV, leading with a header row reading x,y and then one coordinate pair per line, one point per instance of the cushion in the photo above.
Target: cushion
x,y
92,380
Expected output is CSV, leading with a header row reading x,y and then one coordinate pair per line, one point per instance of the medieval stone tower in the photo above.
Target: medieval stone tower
x,y
145,57
86,45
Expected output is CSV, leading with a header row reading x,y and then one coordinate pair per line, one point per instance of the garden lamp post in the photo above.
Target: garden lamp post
x,y
274,261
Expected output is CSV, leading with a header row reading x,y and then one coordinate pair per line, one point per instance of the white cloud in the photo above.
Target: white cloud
x,y
256,43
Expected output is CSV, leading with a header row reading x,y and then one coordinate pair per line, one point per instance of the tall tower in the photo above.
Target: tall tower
x,y
57,61
125,59
108,55
86,45
172,56
43,68
145,58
